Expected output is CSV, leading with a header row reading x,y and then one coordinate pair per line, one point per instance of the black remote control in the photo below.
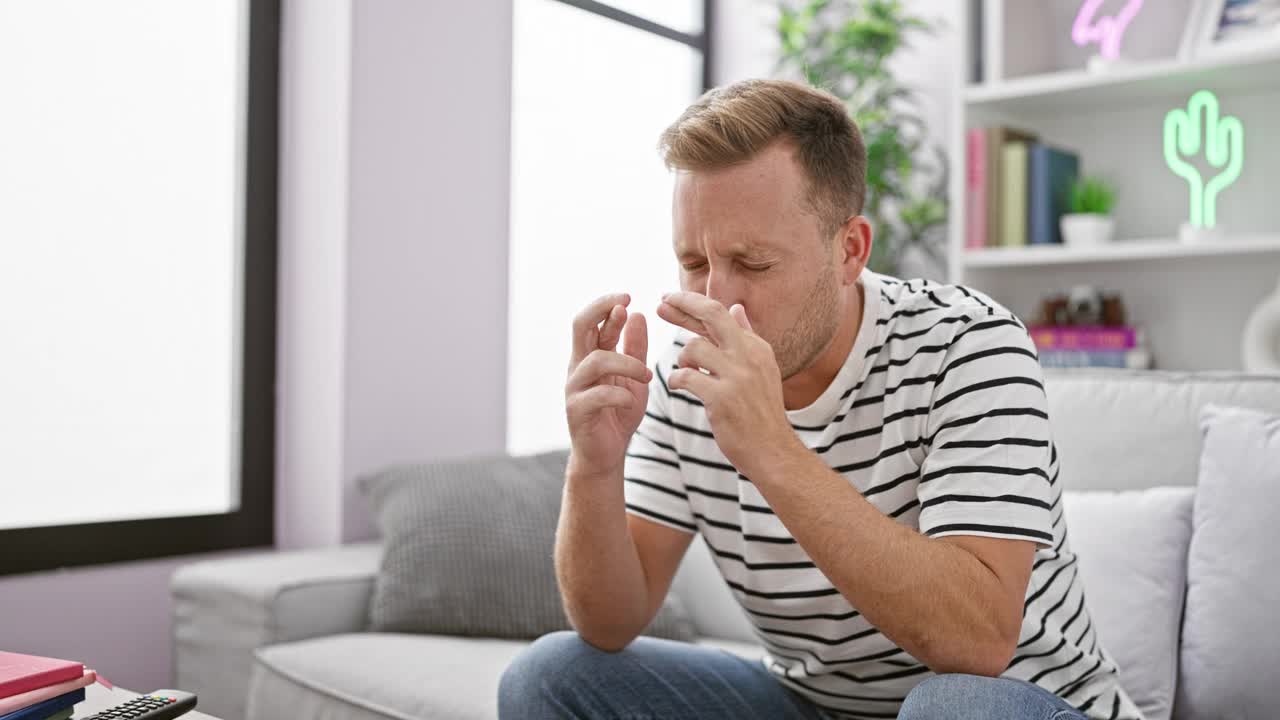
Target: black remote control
x,y
158,705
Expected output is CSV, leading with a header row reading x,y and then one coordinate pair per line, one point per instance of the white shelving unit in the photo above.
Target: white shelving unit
x,y
1123,250
1135,83
1191,299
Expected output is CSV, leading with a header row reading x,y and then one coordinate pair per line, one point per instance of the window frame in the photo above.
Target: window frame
x,y
50,547
700,42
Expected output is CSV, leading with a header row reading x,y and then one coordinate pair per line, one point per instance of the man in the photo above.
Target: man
x,y
869,461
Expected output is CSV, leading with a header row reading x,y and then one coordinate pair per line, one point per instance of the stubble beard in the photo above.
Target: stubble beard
x,y
815,329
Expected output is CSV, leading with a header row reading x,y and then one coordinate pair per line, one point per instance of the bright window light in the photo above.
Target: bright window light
x,y
120,177
591,199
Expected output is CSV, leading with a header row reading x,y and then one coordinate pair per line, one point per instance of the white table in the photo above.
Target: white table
x,y
98,698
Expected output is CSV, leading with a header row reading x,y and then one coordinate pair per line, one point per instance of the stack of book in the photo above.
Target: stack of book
x,y
40,688
1090,346
1017,188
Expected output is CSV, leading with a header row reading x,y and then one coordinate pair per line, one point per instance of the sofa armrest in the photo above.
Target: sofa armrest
x,y
224,609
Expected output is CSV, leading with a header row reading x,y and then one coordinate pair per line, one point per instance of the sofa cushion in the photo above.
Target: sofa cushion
x,y
468,549
1131,429
1132,549
375,676
1230,645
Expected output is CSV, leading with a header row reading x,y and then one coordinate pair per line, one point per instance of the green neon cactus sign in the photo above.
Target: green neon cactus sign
x,y
1199,126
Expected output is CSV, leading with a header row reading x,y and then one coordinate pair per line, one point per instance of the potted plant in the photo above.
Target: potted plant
x,y
1089,221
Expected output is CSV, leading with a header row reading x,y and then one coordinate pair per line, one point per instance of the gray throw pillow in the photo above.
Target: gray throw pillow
x,y
468,549
1230,654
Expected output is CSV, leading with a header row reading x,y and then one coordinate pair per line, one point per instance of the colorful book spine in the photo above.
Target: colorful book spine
x,y
976,181
1084,337
996,138
1013,194
1129,359
14,703
42,710
1050,174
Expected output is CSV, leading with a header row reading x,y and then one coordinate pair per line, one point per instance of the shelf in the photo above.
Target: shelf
x,y
1121,251
1127,85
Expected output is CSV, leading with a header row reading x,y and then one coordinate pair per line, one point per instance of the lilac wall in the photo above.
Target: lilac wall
x,y
113,618
426,279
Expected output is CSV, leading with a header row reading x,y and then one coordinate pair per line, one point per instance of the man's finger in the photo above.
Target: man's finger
x,y
680,318
612,328
721,328
700,352
739,313
603,363
600,397
690,380
635,337
586,324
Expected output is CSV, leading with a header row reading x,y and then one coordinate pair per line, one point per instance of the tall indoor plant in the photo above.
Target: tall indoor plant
x,y
846,47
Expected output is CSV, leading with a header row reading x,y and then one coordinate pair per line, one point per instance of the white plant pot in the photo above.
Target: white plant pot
x,y
1099,65
1191,235
1087,229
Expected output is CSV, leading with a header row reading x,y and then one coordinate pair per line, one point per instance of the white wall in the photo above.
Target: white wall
x,y
314,155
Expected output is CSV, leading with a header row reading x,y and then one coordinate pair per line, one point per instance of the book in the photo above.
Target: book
x,y
1050,174
14,703
1137,359
976,183
45,708
1013,194
995,140
1084,337
20,673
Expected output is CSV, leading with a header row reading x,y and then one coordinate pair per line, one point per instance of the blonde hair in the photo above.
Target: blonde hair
x,y
731,124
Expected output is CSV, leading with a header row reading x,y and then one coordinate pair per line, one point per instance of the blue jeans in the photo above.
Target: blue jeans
x,y
561,676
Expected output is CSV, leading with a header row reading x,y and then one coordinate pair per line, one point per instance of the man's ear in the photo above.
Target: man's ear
x,y
855,238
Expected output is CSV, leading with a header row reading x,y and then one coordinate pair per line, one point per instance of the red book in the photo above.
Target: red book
x,y
20,673
1084,337
976,189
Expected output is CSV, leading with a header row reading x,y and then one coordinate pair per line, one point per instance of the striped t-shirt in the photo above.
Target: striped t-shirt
x,y
938,417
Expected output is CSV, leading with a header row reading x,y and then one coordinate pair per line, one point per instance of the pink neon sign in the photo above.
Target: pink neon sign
x,y
1106,31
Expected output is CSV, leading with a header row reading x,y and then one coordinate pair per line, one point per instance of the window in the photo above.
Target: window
x,y
593,87
137,285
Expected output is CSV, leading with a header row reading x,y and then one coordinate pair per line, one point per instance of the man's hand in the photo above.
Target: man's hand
x,y
743,392
606,391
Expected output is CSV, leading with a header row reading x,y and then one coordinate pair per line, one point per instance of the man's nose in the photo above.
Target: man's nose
x,y
722,286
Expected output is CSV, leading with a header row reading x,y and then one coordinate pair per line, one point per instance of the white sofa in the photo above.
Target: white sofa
x,y
284,634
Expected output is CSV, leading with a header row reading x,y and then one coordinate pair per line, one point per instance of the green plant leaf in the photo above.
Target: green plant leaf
x,y
1091,195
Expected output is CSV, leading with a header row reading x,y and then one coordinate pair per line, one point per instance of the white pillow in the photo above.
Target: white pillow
x,y
1132,547
1230,641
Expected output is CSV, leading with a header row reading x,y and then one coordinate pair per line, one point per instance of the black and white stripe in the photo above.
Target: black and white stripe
x,y
939,419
